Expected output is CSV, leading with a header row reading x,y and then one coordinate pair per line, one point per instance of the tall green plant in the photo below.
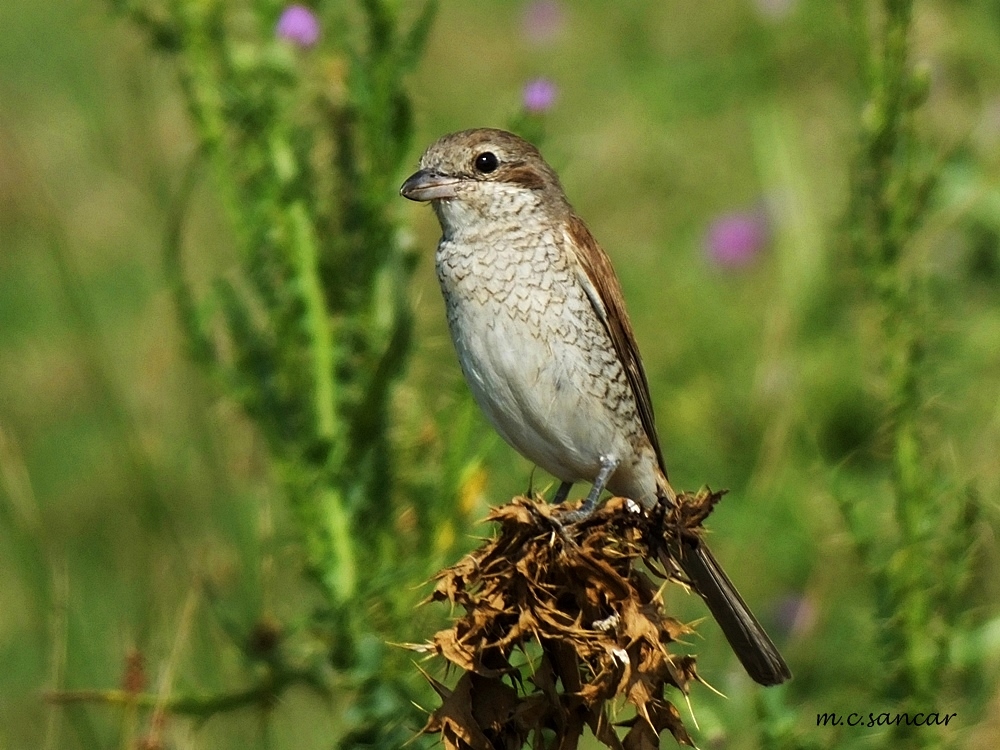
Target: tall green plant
x,y
921,563
306,142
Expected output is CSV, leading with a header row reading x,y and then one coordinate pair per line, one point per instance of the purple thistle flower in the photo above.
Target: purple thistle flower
x,y
298,25
539,94
542,21
795,614
735,239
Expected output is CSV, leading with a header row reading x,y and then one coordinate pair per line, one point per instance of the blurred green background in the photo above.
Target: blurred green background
x,y
127,478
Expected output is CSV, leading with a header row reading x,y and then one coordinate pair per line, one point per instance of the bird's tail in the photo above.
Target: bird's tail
x,y
754,648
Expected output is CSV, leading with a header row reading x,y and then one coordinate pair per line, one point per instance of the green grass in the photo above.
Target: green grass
x,y
128,476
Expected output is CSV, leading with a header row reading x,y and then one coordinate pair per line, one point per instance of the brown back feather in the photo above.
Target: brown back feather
x,y
599,271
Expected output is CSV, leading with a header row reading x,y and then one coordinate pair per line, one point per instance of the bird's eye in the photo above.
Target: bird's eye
x,y
486,162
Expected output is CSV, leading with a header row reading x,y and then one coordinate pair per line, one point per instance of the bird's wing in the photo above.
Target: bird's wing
x,y
605,292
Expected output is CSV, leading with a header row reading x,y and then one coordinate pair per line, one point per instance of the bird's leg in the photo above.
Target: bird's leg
x,y
608,466
562,493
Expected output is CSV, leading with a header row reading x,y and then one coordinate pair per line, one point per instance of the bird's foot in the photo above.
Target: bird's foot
x,y
578,515
585,511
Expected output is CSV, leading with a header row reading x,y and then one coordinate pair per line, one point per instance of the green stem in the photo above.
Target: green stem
x,y
306,255
889,199
202,706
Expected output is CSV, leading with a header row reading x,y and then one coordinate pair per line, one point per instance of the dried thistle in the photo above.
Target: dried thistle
x,y
561,627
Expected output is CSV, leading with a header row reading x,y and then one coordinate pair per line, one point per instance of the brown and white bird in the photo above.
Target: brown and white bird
x,y
538,319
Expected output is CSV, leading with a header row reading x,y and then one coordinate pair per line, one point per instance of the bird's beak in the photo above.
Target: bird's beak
x,y
426,185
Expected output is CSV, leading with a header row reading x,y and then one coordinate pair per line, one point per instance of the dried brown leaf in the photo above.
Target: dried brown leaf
x,y
455,722
586,616
604,731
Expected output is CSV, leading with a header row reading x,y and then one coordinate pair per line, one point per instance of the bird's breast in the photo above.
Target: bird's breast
x,y
524,278
537,359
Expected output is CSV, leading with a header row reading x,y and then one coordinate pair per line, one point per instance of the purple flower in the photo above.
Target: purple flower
x,y
299,25
735,239
542,21
539,95
795,614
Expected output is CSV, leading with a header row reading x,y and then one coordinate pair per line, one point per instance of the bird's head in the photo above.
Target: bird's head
x,y
483,173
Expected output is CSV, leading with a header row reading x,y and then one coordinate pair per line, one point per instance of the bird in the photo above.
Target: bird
x,y
538,320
